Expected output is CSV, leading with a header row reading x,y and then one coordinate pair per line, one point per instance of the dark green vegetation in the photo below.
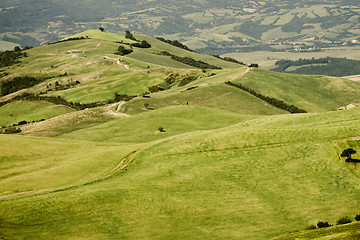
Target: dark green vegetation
x,y
99,156
338,67
273,101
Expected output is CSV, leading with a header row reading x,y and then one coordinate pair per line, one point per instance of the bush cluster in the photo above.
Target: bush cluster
x,y
273,101
10,130
18,83
142,44
8,58
123,50
182,80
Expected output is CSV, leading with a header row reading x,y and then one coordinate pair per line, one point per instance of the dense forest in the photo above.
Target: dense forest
x,y
337,67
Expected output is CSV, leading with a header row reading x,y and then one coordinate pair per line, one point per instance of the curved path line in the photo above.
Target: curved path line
x,y
118,168
240,74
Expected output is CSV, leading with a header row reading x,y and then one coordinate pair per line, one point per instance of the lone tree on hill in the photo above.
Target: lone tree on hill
x,y
101,29
347,153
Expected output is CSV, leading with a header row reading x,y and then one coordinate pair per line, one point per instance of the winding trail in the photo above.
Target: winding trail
x,y
240,74
118,168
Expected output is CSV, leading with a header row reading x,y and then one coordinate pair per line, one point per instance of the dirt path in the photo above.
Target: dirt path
x,y
116,113
240,74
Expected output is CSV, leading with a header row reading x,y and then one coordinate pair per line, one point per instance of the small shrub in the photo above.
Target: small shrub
x,y
161,129
22,122
311,227
343,220
323,224
357,217
12,130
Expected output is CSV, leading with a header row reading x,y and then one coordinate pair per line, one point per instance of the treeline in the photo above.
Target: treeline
x,y
273,101
229,59
58,100
337,67
175,43
189,61
69,39
18,83
8,58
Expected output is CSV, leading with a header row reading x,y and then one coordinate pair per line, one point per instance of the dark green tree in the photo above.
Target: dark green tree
x,y
101,29
347,153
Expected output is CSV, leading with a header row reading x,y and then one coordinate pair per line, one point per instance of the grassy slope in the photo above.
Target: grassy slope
x,y
214,174
144,127
30,111
312,93
348,231
237,182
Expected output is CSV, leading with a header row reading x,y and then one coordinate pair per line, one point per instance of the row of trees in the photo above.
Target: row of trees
x,y
175,43
21,82
189,61
273,101
229,59
340,221
61,101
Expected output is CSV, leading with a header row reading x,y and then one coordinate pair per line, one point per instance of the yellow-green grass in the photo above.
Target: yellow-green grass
x,y
219,96
30,165
69,122
348,231
144,127
112,81
312,93
247,181
14,112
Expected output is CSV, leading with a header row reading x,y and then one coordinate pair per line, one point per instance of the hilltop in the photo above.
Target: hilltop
x,y
208,26
125,136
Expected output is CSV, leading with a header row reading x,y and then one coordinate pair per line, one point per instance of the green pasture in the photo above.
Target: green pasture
x,y
144,127
33,165
113,80
312,93
69,122
14,112
218,96
259,179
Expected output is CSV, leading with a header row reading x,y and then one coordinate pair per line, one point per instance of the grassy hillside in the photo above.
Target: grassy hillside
x,y
349,231
312,93
144,127
15,112
227,165
232,183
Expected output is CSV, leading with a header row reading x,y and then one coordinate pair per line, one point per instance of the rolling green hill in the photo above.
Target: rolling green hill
x,y
164,150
